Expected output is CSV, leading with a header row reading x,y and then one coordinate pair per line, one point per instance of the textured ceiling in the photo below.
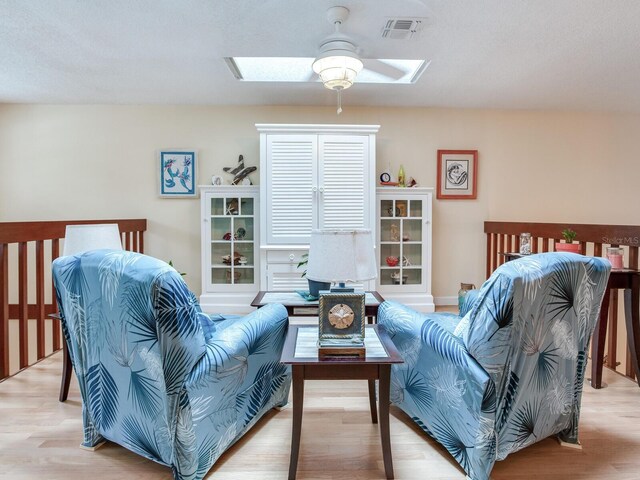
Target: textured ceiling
x,y
540,54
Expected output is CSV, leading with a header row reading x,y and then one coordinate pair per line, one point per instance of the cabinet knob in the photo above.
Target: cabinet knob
x,y
314,189
292,256
321,189
205,220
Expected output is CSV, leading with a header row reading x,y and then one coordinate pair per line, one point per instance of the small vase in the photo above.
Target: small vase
x,y
462,293
525,244
315,287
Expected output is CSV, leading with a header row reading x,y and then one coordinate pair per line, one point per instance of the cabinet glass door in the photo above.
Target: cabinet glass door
x,y
400,256
232,241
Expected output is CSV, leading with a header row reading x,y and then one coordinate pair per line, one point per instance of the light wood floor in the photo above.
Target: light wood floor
x,y
39,439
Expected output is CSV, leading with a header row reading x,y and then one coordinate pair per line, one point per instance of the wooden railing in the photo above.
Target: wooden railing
x,y
504,237
15,240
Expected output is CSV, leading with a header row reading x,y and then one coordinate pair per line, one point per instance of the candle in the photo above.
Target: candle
x,y
614,255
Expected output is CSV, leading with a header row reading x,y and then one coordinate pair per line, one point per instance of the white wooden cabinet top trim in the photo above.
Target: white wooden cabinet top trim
x,y
230,189
406,190
315,128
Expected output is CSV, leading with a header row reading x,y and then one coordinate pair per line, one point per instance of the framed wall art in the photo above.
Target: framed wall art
x,y
177,169
457,174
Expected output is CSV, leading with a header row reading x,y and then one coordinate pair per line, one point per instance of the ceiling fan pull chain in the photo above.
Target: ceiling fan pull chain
x,y
339,101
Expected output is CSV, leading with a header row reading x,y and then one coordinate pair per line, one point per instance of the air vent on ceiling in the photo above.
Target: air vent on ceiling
x,y
403,28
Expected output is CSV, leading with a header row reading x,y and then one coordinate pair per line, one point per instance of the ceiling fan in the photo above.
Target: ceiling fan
x,y
338,62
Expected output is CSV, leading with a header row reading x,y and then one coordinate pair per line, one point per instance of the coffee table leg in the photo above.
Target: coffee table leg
x,y
298,398
383,405
372,401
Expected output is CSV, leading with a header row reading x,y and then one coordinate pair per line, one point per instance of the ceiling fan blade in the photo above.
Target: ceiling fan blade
x,y
382,68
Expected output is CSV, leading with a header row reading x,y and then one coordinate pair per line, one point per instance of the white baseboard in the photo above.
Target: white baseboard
x,y
445,300
420,302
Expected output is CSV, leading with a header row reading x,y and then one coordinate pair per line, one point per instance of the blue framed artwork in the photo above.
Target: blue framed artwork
x,y
177,173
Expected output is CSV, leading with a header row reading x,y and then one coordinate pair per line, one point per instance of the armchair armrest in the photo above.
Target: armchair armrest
x,y
247,342
469,300
433,330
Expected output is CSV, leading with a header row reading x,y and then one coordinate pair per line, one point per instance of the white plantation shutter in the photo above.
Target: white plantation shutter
x,y
292,174
344,201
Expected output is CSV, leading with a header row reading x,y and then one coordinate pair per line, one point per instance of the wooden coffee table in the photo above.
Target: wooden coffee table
x,y
301,352
299,307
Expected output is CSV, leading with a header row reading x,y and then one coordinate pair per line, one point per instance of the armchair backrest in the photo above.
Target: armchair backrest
x,y
533,318
133,332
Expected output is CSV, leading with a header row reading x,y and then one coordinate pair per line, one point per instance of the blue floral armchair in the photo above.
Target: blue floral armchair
x,y
509,371
157,375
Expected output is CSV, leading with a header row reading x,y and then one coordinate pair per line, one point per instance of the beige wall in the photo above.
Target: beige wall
x,y
92,162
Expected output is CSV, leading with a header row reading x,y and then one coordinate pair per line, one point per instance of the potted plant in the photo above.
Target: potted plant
x,y
314,286
569,236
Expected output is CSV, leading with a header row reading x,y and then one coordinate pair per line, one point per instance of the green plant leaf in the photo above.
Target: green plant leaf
x,y
569,235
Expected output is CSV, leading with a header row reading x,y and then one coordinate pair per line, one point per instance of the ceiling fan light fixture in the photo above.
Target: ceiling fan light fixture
x,y
338,64
337,69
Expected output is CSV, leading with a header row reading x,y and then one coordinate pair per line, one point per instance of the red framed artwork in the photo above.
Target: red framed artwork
x,y
457,174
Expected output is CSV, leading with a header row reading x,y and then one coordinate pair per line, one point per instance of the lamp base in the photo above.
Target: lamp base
x,y
342,288
315,287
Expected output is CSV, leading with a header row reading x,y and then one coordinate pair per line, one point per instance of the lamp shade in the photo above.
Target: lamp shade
x,y
81,238
341,256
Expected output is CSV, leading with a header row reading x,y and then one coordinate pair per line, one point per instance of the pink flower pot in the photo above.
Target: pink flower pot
x,y
568,247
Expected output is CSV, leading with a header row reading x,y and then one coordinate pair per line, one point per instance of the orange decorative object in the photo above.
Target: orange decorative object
x,y
392,261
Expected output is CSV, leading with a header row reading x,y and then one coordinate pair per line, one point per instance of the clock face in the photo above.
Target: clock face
x,y
341,316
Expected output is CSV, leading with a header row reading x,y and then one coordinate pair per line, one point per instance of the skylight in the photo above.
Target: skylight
x,y
298,69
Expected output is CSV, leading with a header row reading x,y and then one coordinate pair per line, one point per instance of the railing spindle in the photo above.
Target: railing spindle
x,y
633,257
4,310
23,305
40,297
488,257
55,324
612,325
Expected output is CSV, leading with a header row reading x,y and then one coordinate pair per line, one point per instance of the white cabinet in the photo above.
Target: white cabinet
x,y
311,177
404,234
230,253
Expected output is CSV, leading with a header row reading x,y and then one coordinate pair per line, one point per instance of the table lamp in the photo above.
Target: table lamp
x,y
81,238
341,256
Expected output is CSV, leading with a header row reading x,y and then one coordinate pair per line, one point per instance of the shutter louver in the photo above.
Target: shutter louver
x,y
344,181
290,195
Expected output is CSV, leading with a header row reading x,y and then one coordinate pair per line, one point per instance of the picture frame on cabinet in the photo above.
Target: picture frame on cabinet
x,y
457,174
177,173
